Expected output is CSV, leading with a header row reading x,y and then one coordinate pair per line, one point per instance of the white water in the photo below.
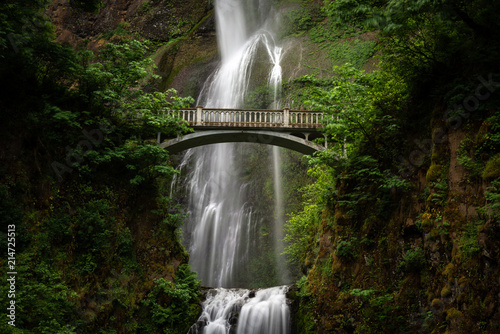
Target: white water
x,y
279,217
222,230
262,312
219,309
266,313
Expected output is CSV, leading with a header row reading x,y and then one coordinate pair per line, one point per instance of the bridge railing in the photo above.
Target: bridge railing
x,y
285,118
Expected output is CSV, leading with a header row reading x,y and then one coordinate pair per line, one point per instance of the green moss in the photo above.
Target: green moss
x,y
436,156
347,249
446,291
468,242
356,52
121,30
449,271
413,260
433,173
492,169
427,222
453,313
434,234
437,303
304,318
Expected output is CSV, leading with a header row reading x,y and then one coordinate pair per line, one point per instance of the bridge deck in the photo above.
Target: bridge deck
x,y
286,119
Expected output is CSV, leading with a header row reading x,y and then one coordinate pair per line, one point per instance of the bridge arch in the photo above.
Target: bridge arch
x,y
202,138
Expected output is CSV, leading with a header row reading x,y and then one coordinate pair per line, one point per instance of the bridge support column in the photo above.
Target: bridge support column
x,y
286,116
199,113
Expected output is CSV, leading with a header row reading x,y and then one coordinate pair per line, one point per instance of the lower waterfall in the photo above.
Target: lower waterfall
x,y
262,311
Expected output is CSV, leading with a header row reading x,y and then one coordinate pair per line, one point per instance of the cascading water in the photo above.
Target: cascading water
x,y
267,313
279,215
221,232
262,312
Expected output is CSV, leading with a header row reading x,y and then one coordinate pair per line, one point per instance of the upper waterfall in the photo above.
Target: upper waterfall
x,y
223,229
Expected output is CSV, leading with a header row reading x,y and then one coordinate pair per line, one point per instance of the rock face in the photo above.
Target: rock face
x,y
185,27
184,34
158,20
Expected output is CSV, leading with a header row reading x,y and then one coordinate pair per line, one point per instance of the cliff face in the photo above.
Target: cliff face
x,y
183,33
423,259
185,42
157,20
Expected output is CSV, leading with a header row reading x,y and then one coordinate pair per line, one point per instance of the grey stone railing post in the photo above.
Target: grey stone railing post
x,y
199,110
286,115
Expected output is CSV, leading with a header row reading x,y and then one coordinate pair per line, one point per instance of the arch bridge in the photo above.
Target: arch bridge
x,y
293,129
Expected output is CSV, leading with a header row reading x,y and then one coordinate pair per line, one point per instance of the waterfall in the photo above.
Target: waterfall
x,y
220,308
279,216
222,229
266,313
260,312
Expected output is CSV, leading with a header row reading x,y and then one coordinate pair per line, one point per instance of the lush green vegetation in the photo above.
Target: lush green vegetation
x,y
85,186
384,241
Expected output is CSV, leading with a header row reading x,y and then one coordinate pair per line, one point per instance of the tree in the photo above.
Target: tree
x,y
419,36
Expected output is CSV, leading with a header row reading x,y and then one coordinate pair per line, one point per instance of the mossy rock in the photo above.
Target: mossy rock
x,y
449,271
427,222
482,133
453,313
433,173
492,169
433,234
437,303
446,291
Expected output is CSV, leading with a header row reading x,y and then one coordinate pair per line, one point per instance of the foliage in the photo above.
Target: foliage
x,y
115,81
468,157
97,116
420,34
492,168
88,6
492,208
356,52
301,229
350,99
343,46
300,20
431,54
378,311
347,249
46,302
171,304
171,213
304,318
469,243
413,260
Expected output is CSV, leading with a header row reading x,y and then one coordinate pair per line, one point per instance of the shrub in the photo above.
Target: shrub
x,y
347,249
492,169
413,260
173,306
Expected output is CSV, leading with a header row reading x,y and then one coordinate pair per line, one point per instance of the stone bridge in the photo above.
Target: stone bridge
x,y
293,129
